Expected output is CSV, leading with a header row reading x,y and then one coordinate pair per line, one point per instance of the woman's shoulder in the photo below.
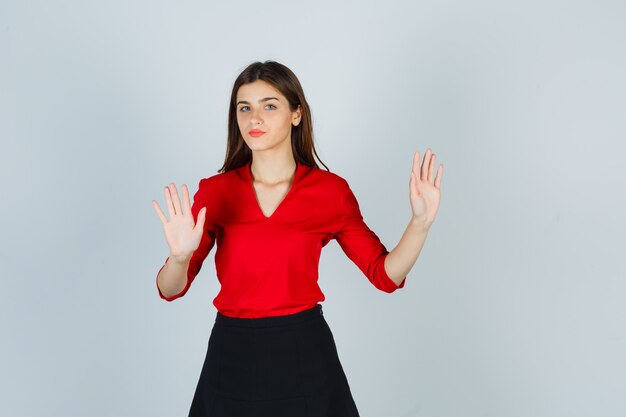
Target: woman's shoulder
x,y
329,178
218,180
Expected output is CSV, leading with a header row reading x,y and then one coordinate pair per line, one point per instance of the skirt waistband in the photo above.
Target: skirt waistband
x,y
271,321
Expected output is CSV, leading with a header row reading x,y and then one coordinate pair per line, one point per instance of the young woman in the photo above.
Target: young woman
x,y
271,209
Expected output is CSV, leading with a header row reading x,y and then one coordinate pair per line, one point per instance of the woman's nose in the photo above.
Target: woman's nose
x,y
255,118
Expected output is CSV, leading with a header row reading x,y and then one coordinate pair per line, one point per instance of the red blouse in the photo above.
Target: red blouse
x,y
268,266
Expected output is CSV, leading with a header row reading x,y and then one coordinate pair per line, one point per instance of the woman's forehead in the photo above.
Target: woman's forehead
x,y
257,90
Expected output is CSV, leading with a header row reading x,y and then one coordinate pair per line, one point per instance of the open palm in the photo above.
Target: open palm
x,y
424,189
183,236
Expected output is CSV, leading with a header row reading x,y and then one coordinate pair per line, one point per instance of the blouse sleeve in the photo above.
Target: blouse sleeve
x,y
206,243
362,245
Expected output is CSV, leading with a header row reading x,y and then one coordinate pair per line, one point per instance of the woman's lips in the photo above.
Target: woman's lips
x,y
256,133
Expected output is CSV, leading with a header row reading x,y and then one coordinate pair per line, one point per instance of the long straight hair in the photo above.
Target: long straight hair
x,y
284,80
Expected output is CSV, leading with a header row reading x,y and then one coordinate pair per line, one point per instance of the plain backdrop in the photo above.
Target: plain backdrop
x,y
515,306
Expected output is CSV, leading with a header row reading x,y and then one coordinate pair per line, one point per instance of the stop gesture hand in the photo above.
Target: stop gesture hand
x,y
182,235
424,189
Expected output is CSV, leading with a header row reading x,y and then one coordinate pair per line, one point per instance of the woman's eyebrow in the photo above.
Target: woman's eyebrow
x,y
260,101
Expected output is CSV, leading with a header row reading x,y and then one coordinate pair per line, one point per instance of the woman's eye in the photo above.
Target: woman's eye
x,y
247,108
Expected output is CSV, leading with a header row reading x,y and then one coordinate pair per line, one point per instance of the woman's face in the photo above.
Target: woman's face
x,y
261,107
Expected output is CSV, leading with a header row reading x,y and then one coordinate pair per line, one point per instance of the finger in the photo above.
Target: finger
x,y
416,164
175,198
413,184
431,167
159,212
424,171
439,174
200,219
168,203
186,202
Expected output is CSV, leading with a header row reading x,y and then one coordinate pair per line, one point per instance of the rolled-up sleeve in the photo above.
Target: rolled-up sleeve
x,y
361,244
199,255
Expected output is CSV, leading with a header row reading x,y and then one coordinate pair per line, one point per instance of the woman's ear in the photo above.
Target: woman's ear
x,y
297,116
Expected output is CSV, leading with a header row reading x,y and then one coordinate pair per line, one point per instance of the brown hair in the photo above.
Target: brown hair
x,y
284,80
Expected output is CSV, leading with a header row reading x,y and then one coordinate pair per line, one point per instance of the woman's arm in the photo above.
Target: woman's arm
x,y
402,258
424,193
172,278
189,238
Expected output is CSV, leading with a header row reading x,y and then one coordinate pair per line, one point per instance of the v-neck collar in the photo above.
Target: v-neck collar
x,y
246,173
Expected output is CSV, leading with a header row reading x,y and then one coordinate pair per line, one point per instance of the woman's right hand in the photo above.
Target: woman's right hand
x,y
183,237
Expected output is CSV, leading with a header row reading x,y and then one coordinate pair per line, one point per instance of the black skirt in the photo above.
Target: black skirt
x,y
280,366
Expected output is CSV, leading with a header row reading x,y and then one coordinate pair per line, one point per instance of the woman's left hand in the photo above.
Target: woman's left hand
x,y
425,189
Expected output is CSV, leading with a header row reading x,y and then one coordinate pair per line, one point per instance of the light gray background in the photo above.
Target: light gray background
x,y
516,304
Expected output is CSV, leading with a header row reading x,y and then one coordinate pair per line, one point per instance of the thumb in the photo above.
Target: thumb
x,y
201,218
